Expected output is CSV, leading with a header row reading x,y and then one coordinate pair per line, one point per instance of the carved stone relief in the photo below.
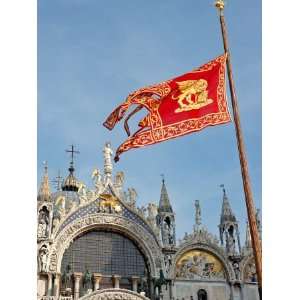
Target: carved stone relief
x,y
114,294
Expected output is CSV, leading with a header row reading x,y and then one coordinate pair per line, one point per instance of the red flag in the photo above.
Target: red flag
x,y
179,106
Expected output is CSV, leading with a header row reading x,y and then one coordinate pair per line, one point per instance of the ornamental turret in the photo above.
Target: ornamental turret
x,y
166,218
71,183
44,190
229,231
44,207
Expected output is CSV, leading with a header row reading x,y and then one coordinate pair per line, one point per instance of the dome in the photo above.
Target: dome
x,y
70,183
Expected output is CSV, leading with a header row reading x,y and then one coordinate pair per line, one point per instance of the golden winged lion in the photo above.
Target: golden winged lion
x,y
188,88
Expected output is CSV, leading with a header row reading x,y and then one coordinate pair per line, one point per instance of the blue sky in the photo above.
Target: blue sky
x,y
92,54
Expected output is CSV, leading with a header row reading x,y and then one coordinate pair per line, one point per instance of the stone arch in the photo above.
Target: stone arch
x,y
146,243
229,272
114,294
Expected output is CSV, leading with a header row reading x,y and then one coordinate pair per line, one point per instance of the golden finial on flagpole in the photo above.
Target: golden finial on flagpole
x,y
220,4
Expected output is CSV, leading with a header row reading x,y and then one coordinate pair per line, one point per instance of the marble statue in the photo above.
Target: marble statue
x,y
98,180
119,179
132,195
82,191
43,223
118,185
61,203
42,229
142,211
55,224
108,152
43,258
168,262
230,244
236,268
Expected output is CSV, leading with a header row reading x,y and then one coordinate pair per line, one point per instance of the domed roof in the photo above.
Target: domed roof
x,y
70,183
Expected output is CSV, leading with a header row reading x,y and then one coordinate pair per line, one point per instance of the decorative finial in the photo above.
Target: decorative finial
x,y
220,4
162,178
223,187
72,151
45,163
44,191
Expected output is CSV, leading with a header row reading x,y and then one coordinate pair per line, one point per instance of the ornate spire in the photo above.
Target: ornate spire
x,y
197,216
229,231
44,191
164,202
71,183
226,213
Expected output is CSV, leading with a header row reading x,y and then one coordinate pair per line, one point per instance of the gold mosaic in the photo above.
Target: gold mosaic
x,y
199,264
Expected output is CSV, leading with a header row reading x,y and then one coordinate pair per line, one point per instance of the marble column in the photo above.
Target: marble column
x,y
152,291
231,291
49,287
56,284
134,280
77,277
171,284
97,280
242,291
116,281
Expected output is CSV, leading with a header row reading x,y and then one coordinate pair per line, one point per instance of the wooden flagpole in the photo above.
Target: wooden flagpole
x,y
256,245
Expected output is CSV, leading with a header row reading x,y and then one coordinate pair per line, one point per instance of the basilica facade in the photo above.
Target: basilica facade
x,y
99,243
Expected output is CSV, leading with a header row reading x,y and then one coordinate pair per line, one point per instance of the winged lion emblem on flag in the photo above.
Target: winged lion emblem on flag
x,y
193,95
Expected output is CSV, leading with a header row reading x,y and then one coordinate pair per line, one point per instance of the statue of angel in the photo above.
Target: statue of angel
x,y
82,192
119,179
132,195
97,177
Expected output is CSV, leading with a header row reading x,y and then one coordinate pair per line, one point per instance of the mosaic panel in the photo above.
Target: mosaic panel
x,y
199,264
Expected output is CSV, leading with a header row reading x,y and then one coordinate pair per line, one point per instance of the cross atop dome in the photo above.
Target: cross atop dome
x,y
71,183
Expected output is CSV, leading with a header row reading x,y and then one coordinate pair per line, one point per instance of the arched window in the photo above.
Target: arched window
x,y
108,253
202,294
